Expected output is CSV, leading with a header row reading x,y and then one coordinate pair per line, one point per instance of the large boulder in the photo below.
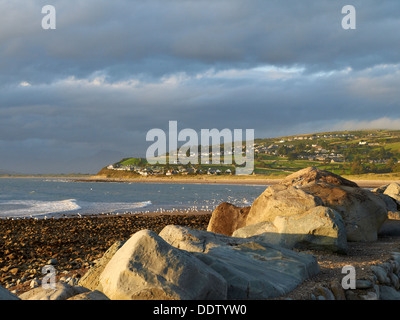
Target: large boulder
x,y
320,228
390,194
90,295
146,267
61,291
280,200
312,175
362,211
393,191
391,204
91,278
227,217
7,295
194,240
253,269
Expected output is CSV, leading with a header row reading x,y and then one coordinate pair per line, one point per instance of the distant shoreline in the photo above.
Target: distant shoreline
x,y
234,180
187,181
44,177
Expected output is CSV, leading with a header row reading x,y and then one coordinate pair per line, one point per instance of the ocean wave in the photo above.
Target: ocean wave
x,y
35,208
30,208
112,207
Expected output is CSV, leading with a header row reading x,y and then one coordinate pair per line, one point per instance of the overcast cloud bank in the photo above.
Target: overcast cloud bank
x,y
78,97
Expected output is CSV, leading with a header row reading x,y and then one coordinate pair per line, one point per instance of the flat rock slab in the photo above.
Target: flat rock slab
x,y
252,269
62,291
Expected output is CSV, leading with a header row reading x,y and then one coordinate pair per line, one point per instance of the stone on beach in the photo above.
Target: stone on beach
x,y
393,191
90,295
253,269
62,291
391,205
183,263
146,267
194,240
279,200
227,217
7,295
313,175
91,278
362,212
320,228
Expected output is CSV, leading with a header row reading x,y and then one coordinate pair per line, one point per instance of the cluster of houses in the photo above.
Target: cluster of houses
x,y
315,153
319,136
312,151
179,170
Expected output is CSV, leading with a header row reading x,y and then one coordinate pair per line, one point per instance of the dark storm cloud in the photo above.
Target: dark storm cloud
x,y
112,70
161,37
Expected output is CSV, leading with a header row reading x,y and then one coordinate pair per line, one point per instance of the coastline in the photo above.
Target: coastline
x,y
201,180
85,240
363,183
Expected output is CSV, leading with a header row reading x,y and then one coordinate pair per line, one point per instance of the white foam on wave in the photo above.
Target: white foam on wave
x,y
112,207
27,208
35,208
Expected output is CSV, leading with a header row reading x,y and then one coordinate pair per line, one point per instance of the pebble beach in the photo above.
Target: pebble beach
x,y
72,244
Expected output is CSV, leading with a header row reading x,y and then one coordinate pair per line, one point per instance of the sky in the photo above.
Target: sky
x,y
79,97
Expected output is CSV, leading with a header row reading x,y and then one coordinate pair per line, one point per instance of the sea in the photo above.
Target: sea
x,y
58,198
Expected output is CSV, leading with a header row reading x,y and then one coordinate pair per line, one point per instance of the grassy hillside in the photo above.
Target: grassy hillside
x,y
364,153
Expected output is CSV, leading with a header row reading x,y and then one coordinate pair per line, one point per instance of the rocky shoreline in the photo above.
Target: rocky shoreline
x,y
74,244
27,246
291,243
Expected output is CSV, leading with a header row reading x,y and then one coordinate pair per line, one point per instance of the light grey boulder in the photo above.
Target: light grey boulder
x,y
146,267
320,228
62,291
7,295
393,191
380,190
195,240
90,279
280,200
90,295
313,175
362,211
252,269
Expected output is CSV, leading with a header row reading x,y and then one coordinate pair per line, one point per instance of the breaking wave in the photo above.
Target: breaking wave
x,y
36,208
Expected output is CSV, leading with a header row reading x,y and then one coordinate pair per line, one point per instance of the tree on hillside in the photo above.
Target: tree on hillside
x,y
356,167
